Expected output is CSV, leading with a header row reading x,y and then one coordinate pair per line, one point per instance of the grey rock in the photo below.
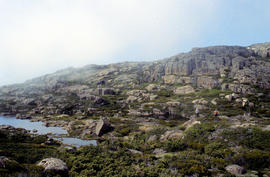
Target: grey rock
x,y
53,164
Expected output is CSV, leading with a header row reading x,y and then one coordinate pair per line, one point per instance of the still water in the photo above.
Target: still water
x,y
41,129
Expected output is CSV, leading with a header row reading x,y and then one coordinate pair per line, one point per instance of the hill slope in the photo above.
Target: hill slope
x,y
145,114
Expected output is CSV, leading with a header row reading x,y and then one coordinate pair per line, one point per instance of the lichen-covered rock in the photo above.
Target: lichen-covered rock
x,y
235,169
53,164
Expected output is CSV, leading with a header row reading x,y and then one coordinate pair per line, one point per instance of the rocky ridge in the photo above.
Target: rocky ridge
x,y
148,108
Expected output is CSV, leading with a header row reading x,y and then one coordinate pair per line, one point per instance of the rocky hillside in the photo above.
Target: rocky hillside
x,y
145,113
242,70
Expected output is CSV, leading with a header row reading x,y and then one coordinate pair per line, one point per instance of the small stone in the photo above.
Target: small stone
x,y
229,97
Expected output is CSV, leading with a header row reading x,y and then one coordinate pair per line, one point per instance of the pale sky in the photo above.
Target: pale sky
x,y
38,37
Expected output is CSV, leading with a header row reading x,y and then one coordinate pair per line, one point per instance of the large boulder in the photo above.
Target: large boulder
x,y
184,90
103,126
53,164
235,169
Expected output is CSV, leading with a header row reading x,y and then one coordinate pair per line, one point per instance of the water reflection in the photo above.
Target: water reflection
x,y
41,129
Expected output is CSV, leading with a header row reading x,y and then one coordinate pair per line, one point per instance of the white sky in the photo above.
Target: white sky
x,y
41,36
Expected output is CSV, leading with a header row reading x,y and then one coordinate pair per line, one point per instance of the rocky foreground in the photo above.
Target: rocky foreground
x,y
146,111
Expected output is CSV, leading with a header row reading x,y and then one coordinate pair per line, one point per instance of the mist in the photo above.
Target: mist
x,y
39,37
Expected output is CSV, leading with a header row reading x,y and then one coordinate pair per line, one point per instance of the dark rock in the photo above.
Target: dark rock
x,y
103,126
6,163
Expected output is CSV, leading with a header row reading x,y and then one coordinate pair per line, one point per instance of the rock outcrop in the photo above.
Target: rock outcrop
x,y
184,90
72,91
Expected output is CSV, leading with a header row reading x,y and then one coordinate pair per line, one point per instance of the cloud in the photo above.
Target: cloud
x,y
39,37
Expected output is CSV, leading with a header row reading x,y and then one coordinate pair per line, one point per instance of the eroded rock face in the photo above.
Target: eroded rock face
x,y
207,82
262,50
53,164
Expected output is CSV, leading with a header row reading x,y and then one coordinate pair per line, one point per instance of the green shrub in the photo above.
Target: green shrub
x,y
165,93
217,150
173,146
199,133
254,159
254,138
190,167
